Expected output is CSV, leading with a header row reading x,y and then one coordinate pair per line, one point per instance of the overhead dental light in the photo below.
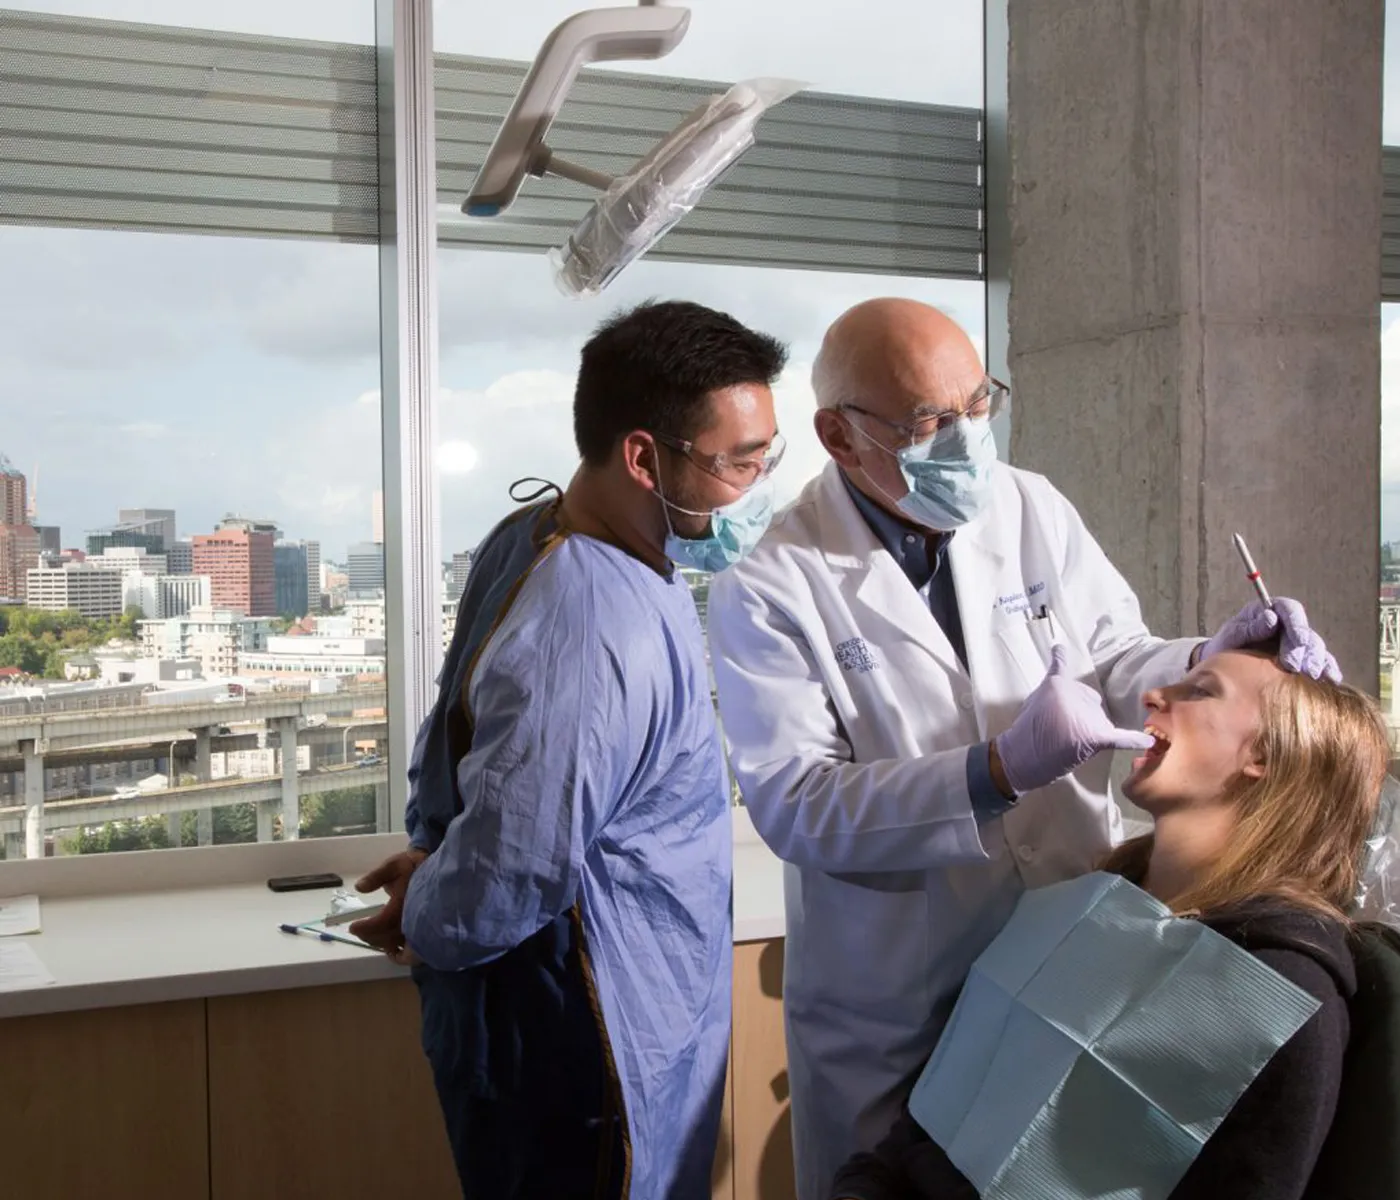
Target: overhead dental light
x,y
639,206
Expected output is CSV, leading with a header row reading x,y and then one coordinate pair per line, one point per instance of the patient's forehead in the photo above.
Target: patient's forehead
x,y
1242,670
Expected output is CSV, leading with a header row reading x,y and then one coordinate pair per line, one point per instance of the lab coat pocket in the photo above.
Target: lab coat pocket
x,y
1013,634
874,933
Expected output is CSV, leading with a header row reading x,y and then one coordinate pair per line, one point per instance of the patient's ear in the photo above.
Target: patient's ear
x,y
1256,767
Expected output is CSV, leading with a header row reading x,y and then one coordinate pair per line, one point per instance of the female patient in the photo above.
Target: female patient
x,y
1263,787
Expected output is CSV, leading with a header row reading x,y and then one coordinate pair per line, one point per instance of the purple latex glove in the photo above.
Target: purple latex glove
x,y
1300,649
1061,726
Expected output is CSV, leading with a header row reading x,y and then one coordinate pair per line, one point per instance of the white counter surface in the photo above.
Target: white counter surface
x,y
125,946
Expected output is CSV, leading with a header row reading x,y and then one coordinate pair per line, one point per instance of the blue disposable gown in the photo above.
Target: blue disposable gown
x,y
571,788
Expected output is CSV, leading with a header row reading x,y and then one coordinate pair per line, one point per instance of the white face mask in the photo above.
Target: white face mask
x,y
949,476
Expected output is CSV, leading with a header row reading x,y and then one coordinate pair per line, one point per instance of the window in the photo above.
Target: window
x,y
907,222
189,333
193,469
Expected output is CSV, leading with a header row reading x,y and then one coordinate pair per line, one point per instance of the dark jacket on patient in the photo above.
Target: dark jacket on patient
x,y
1266,1147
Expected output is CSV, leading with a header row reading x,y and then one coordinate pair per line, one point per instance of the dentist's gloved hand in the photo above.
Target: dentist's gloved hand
x,y
1301,650
1061,726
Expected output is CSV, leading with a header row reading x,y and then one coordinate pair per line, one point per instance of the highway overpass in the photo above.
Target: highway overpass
x,y
266,790
68,730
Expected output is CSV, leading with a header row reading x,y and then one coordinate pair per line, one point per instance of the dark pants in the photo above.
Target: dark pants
x,y
517,1057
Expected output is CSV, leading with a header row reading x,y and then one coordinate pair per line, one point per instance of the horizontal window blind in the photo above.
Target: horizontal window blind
x,y
117,125
833,181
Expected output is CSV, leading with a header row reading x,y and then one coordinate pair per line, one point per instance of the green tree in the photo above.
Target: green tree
x,y
233,824
143,833
345,810
29,655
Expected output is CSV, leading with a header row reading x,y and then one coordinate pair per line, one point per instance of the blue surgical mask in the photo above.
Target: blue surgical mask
x,y
735,529
949,476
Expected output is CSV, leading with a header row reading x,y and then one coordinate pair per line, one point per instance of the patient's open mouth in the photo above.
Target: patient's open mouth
x,y
1160,745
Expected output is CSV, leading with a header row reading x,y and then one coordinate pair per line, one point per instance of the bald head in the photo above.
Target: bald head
x,y
898,354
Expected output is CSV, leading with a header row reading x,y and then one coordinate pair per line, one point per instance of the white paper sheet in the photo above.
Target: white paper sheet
x,y
20,968
19,915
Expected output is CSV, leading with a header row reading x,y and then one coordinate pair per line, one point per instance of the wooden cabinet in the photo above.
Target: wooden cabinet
x,y
110,1103
307,1094
318,1092
762,1118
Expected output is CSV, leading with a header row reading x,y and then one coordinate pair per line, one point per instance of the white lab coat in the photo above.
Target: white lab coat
x,y
849,719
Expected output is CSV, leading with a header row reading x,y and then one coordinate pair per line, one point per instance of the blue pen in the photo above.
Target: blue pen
x,y
324,936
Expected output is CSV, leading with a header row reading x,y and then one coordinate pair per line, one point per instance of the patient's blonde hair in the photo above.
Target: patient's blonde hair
x,y
1300,827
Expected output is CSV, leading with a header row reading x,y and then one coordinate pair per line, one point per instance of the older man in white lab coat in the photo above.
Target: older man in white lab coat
x,y
882,663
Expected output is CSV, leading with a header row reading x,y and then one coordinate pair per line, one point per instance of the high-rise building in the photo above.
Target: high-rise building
x,y
289,559
155,520
19,540
179,557
461,568
376,518
366,568
14,495
241,567
83,587
19,554
50,539
313,576
134,536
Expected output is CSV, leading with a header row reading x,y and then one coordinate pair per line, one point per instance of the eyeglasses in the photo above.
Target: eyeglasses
x,y
986,402
739,473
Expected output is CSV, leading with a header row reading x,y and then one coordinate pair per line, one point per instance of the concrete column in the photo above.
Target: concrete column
x,y
33,800
1194,197
267,811
204,820
287,751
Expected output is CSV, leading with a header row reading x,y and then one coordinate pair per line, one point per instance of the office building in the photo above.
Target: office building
x,y
298,573
289,568
160,521
132,558
19,540
19,554
179,557
50,539
241,567
85,588
313,576
14,495
365,568
162,596
137,536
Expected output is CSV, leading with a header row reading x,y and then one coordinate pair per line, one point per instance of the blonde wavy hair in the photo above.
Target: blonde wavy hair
x,y
1302,826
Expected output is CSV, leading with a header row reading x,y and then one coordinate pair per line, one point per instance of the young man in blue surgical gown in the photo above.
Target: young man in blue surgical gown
x,y
566,891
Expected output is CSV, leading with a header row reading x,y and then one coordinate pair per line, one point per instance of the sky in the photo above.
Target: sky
x,y
215,375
